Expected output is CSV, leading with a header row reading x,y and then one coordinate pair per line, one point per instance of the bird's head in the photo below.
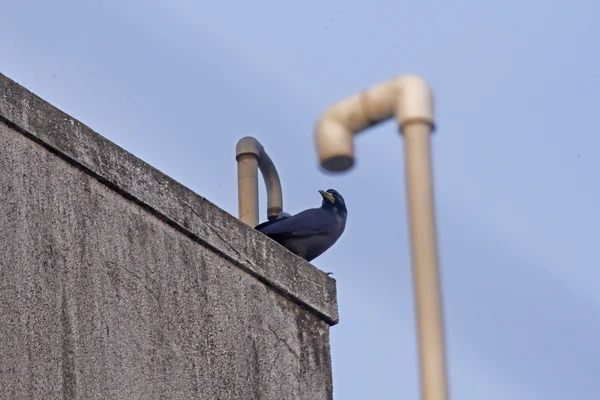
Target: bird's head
x,y
333,200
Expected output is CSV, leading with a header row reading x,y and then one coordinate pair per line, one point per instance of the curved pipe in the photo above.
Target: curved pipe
x,y
251,156
406,97
410,100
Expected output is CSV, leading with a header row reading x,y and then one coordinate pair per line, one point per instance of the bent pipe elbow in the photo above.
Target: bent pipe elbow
x,y
407,97
249,146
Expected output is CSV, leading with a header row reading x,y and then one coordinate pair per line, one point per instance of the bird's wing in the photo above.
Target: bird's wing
x,y
260,227
307,223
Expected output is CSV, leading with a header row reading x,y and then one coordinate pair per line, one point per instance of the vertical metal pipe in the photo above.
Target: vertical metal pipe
x,y
428,299
410,100
251,156
247,165
272,184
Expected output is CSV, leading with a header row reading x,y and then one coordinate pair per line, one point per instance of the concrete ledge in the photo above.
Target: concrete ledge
x,y
170,201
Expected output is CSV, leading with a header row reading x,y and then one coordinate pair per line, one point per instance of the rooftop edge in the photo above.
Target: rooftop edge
x,y
168,200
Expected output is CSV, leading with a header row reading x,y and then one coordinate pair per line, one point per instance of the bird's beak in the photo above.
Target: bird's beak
x,y
327,196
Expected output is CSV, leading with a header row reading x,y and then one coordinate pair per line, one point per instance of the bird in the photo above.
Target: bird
x,y
311,232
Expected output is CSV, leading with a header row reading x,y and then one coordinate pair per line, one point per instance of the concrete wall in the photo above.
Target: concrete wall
x,y
116,282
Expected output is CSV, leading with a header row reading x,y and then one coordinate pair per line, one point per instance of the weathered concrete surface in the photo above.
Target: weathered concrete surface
x,y
116,282
168,199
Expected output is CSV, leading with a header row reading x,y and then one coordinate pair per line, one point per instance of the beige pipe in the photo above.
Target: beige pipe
x,y
251,156
406,97
426,279
410,100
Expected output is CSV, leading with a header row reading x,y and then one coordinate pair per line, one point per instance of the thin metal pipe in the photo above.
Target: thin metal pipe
x,y
273,185
410,100
247,166
424,254
251,157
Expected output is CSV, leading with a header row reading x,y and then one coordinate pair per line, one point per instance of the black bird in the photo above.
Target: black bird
x,y
311,232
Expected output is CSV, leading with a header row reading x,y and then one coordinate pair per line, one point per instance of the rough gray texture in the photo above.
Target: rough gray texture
x,y
168,199
116,282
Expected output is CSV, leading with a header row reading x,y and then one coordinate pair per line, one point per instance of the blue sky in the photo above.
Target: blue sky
x,y
517,86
